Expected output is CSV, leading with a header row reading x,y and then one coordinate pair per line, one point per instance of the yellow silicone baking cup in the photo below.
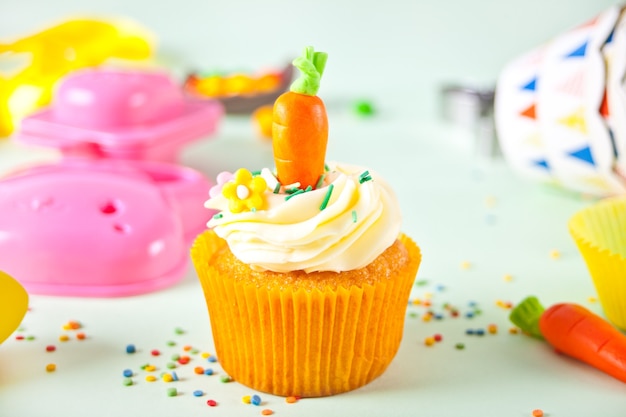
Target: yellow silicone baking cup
x,y
305,343
600,234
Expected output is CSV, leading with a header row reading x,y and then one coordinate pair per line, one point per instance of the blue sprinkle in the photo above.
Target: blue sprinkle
x,y
130,349
438,316
212,358
128,373
174,376
480,332
469,331
208,371
198,393
469,314
256,400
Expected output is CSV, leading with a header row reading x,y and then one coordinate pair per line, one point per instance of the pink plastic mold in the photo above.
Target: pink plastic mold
x,y
117,114
100,228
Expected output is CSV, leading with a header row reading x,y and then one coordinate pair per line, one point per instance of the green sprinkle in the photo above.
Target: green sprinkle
x,y
277,188
175,357
421,282
226,378
327,197
170,365
218,216
172,392
294,194
256,173
30,337
308,188
320,180
179,330
459,346
364,108
128,382
326,167
353,216
171,343
292,190
194,351
364,177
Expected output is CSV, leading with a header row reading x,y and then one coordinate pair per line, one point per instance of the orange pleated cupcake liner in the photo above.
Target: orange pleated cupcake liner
x,y
599,233
304,343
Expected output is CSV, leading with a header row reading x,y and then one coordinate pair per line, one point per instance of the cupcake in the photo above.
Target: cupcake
x,y
305,271
598,231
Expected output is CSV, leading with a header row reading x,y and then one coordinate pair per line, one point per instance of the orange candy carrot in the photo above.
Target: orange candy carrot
x,y
575,331
300,125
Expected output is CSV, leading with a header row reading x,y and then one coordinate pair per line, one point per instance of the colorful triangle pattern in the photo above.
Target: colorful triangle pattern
x,y
584,154
578,52
575,121
574,85
531,85
541,163
529,112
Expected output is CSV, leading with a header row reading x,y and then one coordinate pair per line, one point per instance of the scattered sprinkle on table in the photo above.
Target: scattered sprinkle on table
x,y
128,382
64,338
130,349
211,403
291,399
267,412
245,399
459,346
465,265
198,393
555,254
51,367
255,400
172,392
537,413
127,373
50,348
151,378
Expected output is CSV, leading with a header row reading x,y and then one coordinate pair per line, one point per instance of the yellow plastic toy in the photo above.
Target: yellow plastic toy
x,y
13,305
45,57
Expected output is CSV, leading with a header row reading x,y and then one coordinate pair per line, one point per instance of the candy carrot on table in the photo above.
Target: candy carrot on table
x,y
575,331
300,124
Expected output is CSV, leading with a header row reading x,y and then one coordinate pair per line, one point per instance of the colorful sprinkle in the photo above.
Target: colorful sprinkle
x,y
172,392
50,348
459,346
81,336
438,337
127,382
353,216
245,399
226,379
151,378
255,400
291,399
127,373
130,349
537,413
365,176
211,403
212,358
51,367
327,197
198,393
198,370
155,352
208,371
555,254
150,368
267,412
429,341
492,329
167,377
179,330
465,265
64,338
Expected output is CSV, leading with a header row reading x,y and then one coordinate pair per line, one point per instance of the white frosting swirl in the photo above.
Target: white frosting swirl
x,y
360,221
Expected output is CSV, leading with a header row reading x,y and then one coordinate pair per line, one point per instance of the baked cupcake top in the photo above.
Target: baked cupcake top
x,y
344,223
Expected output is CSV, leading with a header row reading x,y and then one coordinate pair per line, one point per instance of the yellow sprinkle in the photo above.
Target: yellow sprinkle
x,y
555,254
429,341
513,330
508,277
151,378
245,399
150,368
51,367
428,295
427,317
417,301
64,338
205,355
592,299
466,265
492,328
167,378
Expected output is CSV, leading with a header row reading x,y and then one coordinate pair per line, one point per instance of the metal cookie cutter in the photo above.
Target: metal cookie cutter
x,y
472,108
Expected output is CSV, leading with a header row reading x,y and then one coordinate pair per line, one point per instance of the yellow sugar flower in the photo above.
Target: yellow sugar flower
x,y
245,192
